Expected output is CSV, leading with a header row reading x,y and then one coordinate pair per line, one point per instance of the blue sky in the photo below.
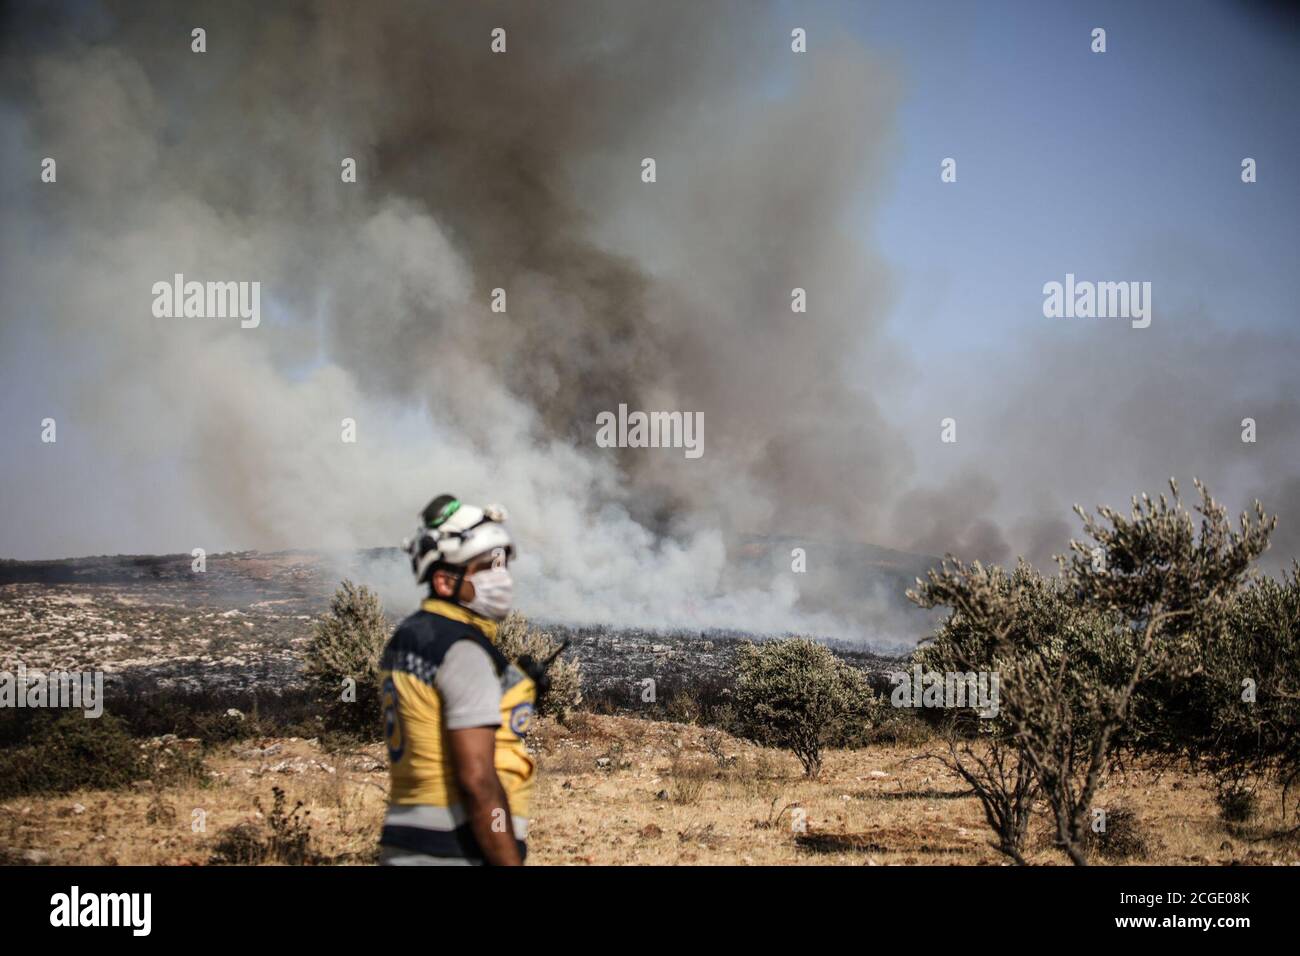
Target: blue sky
x,y
1124,164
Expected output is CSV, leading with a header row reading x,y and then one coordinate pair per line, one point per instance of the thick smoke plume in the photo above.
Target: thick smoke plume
x,y
478,171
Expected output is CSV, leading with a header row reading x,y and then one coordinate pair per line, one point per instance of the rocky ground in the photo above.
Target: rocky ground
x,y
149,630
242,623
620,790
612,788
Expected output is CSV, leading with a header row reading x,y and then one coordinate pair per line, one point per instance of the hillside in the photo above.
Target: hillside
x,y
615,790
242,623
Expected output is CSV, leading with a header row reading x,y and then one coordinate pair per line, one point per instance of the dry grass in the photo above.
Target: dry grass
x,y
616,790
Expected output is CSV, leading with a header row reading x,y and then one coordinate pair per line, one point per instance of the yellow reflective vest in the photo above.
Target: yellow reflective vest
x,y
425,813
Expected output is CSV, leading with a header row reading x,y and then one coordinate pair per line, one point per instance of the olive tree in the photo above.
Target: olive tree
x,y
343,659
1145,587
1233,708
797,695
516,638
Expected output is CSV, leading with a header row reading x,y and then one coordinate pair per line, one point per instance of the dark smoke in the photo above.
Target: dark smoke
x,y
476,171
522,171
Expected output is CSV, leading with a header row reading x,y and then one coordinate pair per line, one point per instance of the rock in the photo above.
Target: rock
x,y
651,831
78,808
36,856
237,715
254,752
878,773
602,763
292,765
661,795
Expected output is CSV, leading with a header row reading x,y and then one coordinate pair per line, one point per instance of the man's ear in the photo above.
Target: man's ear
x,y
442,584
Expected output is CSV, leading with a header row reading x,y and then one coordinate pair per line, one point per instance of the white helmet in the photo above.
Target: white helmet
x,y
452,534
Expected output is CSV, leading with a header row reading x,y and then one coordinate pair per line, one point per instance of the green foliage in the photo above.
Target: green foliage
x,y
1252,684
73,752
1010,618
1233,706
1158,568
1134,605
516,637
206,712
346,646
797,695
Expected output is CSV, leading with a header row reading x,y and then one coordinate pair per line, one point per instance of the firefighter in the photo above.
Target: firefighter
x,y
455,709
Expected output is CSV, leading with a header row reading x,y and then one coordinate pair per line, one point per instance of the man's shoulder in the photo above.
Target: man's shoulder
x,y
467,657
429,626
431,636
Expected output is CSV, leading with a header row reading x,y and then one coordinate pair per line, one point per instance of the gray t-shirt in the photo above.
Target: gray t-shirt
x,y
470,688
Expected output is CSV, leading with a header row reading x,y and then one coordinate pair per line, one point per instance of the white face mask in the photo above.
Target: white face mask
x,y
493,593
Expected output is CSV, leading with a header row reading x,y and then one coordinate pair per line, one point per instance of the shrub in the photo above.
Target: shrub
x,y
73,752
713,747
682,708
688,778
344,656
679,696
1237,803
516,637
153,711
1146,586
284,836
1124,835
1232,706
899,727
1037,618
797,695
